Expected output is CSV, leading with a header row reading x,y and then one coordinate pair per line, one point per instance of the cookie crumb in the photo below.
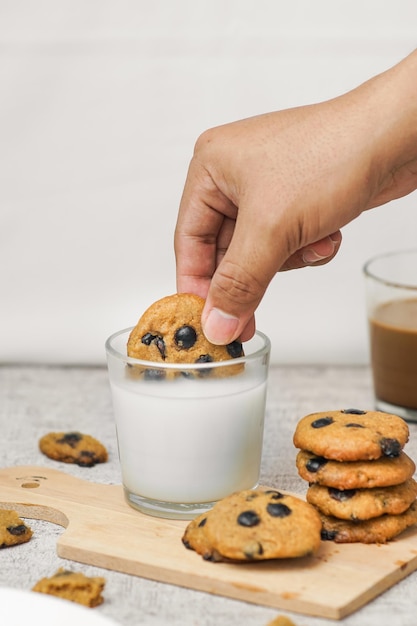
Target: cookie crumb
x,y
281,620
73,586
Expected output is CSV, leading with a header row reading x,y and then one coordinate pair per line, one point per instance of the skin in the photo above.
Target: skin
x,y
271,192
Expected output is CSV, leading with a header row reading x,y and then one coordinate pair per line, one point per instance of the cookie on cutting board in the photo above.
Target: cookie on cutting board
x,y
253,525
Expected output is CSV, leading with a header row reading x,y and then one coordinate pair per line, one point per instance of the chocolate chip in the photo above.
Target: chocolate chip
x,y
321,422
157,340
313,465
185,337
253,550
18,530
71,439
204,358
86,459
354,425
354,411
328,535
214,556
390,447
248,518
160,344
276,509
188,375
154,374
235,349
275,495
341,495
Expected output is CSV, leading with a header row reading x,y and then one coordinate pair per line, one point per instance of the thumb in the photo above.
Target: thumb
x,y
238,285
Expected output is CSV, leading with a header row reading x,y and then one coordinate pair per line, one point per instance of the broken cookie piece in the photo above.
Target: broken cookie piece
x,y
13,530
73,586
170,331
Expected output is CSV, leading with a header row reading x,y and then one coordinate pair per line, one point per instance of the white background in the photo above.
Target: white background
x,y
100,105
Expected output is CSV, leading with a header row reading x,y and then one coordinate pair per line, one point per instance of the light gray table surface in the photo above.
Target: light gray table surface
x,y
38,399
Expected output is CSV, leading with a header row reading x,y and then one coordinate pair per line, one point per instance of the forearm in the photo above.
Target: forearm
x,y
392,118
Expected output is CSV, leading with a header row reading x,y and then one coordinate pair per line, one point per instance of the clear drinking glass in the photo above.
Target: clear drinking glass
x,y
391,291
188,434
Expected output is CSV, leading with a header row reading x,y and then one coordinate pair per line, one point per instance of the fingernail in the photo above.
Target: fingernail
x,y
220,327
310,257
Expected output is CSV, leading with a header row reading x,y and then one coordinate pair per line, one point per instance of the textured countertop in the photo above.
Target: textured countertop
x,y
35,400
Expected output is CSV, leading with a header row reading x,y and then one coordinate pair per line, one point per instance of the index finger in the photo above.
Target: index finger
x,y
203,231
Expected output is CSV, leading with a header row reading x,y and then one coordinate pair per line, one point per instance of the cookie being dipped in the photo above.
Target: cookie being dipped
x,y
170,331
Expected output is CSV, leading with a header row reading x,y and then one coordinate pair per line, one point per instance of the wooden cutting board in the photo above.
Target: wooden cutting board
x,y
103,530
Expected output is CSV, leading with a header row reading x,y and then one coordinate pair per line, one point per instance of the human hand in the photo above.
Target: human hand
x,y
272,192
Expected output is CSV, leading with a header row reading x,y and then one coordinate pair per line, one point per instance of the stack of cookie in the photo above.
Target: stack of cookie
x,y
360,479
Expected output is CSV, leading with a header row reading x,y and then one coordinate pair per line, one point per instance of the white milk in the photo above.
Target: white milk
x,y
192,449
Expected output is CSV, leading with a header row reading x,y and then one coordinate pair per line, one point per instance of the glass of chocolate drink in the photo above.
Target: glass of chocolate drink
x,y
391,292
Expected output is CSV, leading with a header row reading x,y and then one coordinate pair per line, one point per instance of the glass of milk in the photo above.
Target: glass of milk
x,y
188,435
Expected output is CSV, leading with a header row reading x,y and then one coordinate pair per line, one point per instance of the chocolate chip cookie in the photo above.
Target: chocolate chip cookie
x,y
73,447
255,525
382,472
169,331
13,530
74,586
352,434
363,504
377,530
